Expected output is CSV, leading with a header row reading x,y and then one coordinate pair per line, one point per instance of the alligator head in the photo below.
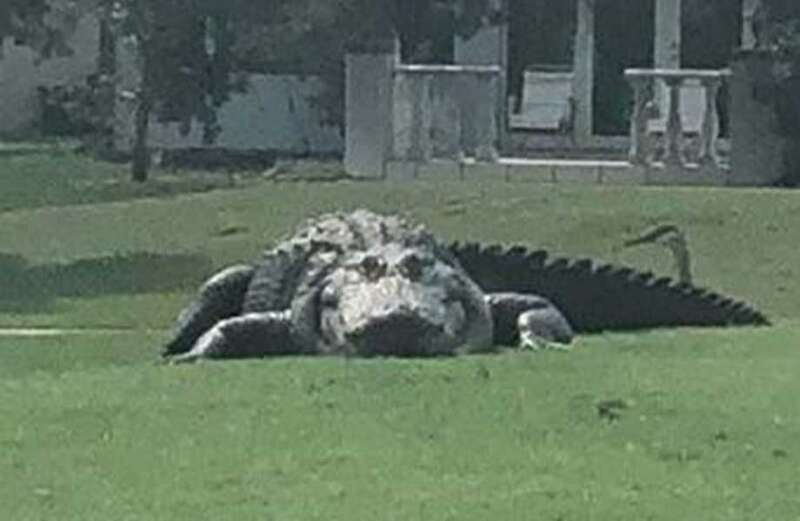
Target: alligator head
x,y
392,299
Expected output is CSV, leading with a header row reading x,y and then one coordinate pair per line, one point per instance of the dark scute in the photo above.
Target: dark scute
x,y
661,282
517,251
537,258
559,264
583,265
599,297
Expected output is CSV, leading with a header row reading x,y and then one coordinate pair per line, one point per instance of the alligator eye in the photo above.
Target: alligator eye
x,y
373,267
413,265
328,297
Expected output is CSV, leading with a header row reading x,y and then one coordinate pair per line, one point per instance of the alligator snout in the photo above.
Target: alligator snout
x,y
398,301
402,333
395,317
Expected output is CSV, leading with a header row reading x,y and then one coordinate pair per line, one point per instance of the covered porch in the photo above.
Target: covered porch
x,y
557,101
674,125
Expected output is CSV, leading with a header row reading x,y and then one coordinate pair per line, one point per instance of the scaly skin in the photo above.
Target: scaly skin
x,y
355,284
362,284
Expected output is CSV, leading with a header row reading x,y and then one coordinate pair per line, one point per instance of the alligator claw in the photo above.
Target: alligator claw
x,y
531,342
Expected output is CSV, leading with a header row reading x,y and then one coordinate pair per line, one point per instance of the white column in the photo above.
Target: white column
x,y
583,67
673,155
749,8
639,153
710,130
369,110
666,47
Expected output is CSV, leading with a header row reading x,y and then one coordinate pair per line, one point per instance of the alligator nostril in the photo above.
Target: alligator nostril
x,y
413,266
399,335
373,267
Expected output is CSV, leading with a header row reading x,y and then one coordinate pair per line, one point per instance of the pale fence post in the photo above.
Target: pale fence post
x,y
673,155
710,132
639,153
369,107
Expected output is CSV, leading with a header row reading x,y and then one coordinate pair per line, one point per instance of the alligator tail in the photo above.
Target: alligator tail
x,y
599,297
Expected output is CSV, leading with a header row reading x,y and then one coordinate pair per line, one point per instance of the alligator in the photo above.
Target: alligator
x,y
364,284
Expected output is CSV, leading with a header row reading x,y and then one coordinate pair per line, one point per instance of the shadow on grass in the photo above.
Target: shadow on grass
x,y
26,288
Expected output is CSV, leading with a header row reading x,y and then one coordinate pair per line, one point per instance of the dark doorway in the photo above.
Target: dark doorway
x,y
623,39
541,34
711,32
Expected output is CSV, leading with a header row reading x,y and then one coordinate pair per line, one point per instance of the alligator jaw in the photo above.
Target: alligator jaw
x,y
393,316
403,333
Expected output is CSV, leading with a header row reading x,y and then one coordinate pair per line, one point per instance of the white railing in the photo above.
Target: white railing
x,y
645,83
446,111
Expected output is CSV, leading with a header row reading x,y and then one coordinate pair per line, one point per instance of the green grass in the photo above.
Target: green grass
x,y
91,430
92,427
36,175
743,242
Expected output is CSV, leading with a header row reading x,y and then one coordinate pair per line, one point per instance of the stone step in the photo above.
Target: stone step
x,y
583,171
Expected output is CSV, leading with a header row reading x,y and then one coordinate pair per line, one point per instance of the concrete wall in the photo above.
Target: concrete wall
x,y
369,103
275,113
444,111
488,46
417,112
21,70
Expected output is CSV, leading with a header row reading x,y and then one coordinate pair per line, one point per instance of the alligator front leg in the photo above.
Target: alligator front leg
x,y
530,321
253,335
219,298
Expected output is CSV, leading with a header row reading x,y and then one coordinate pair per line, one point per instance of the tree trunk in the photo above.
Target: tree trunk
x,y
102,138
140,165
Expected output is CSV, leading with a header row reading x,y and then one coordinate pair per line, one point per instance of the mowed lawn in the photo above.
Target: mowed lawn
x,y
656,425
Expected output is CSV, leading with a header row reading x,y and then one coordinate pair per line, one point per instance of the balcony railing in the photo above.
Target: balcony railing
x,y
675,154
446,111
